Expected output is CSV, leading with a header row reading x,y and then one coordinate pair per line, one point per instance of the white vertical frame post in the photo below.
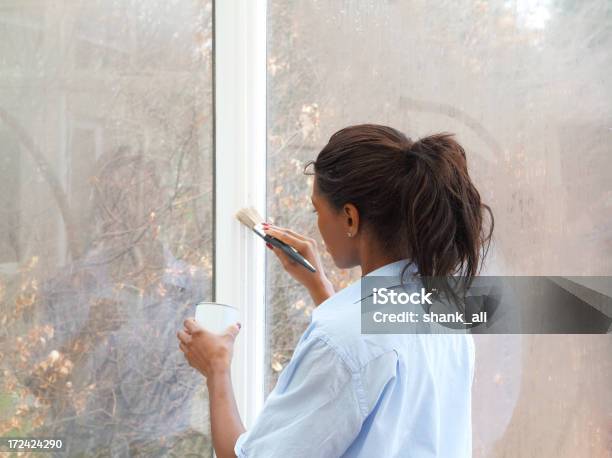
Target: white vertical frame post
x,y
240,181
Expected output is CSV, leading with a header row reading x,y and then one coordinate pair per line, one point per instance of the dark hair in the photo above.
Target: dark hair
x,y
416,198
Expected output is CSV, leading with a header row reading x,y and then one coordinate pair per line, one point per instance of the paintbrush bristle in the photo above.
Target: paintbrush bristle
x,y
249,217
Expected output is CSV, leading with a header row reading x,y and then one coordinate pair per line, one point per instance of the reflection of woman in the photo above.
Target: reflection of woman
x,y
394,207
123,395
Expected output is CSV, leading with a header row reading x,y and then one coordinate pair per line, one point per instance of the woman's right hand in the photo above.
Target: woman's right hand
x,y
317,283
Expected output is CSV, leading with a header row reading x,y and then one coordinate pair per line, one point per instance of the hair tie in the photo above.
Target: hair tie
x,y
408,149
411,155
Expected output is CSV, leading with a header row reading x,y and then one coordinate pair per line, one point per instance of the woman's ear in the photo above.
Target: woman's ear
x,y
351,219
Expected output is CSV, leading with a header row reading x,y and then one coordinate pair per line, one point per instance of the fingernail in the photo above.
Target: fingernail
x,y
239,325
265,224
269,245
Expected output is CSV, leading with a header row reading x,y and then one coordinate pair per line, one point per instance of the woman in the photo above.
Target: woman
x,y
394,207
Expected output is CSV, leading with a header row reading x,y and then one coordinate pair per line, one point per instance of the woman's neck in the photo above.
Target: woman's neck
x,y
373,259
366,268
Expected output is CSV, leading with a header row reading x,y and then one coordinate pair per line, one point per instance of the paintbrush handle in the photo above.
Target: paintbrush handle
x,y
290,251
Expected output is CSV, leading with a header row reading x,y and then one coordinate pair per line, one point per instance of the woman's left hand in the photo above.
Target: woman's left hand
x,y
209,353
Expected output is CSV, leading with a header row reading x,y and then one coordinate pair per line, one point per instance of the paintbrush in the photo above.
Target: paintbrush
x,y
253,220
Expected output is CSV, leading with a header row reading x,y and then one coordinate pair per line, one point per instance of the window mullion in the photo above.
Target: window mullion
x,y
240,181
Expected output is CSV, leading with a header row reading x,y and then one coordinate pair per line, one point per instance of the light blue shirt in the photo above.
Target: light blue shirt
x,y
347,394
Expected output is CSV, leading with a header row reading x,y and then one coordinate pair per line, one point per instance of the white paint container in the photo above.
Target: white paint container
x,y
216,317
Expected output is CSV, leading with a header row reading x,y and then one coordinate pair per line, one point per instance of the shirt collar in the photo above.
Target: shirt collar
x,y
352,293
393,268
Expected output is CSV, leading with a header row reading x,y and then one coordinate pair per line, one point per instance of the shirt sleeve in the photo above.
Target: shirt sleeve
x,y
315,408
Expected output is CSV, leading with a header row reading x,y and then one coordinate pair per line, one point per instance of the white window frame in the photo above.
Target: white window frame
x,y
240,181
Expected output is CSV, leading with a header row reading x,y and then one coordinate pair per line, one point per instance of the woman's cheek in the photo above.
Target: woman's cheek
x,y
321,231
323,236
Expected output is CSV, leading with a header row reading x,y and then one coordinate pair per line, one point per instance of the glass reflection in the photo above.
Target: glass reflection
x,y
106,227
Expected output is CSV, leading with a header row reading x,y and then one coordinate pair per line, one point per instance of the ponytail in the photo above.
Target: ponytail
x,y
442,209
417,198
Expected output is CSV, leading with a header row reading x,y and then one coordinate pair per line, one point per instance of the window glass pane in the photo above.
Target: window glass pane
x,y
525,87
106,222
